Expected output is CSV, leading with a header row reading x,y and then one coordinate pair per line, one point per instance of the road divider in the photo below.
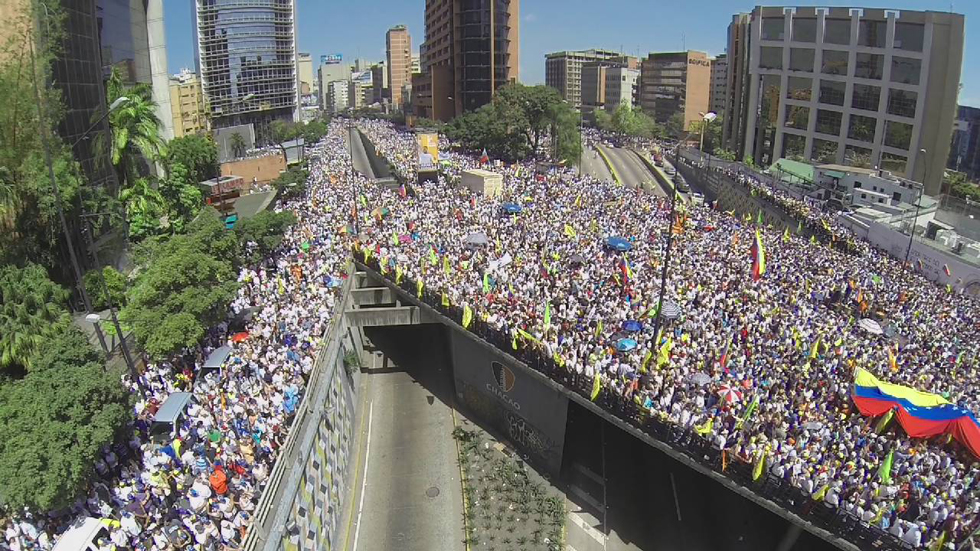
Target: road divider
x,y
665,183
609,165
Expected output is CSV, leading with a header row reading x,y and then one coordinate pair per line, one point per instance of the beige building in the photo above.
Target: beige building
x,y
563,72
477,59
675,82
187,104
399,62
307,82
851,86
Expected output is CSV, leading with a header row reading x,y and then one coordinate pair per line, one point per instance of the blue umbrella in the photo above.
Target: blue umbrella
x,y
511,208
625,345
620,244
632,326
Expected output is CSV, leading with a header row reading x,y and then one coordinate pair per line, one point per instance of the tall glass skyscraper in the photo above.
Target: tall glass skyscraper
x,y
246,56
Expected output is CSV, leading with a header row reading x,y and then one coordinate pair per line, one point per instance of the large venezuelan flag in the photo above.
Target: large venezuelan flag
x,y
921,414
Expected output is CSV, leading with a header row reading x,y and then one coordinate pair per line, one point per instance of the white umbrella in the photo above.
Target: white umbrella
x,y
870,325
700,379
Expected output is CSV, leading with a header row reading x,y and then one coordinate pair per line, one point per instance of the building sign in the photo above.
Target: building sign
x,y
698,62
331,59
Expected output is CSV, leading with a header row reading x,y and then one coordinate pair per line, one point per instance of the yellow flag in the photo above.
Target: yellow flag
x,y
367,254
398,275
706,428
598,329
596,386
445,300
646,361
445,264
760,463
570,231
467,316
578,201
432,257
418,287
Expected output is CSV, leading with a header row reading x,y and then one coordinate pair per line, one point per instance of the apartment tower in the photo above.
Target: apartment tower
x,y
399,62
854,86
563,72
247,61
676,82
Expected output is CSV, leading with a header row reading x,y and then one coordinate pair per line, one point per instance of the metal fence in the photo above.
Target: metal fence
x,y
770,487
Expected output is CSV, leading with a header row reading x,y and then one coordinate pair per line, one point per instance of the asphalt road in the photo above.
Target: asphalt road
x,y
361,163
631,170
412,497
593,165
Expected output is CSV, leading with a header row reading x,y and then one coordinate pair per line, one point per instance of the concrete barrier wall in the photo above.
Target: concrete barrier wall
x,y
303,500
379,165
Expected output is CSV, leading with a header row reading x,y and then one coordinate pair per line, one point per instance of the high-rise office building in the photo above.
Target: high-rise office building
x,y
856,86
719,84
608,84
675,82
416,64
399,50
333,71
188,113
477,44
247,60
307,84
964,153
99,36
563,72
379,80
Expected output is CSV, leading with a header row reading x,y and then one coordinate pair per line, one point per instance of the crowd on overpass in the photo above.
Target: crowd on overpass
x,y
198,488
764,368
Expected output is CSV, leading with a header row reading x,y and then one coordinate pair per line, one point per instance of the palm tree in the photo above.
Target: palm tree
x,y
135,129
237,145
145,206
32,309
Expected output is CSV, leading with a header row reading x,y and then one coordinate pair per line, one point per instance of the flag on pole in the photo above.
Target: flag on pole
x,y
486,282
402,192
467,316
723,361
598,329
946,270
760,463
883,422
885,470
570,231
418,288
706,428
445,301
816,347
786,235
646,361
433,259
596,386
547,315
758,218
892,360
799,226
758,257
748,412
813,240
445,264
484,158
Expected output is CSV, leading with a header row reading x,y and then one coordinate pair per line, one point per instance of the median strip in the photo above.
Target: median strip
x,y
662,178
609,165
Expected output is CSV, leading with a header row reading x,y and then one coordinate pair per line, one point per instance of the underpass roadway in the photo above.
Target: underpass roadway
x,y
631,170
593,165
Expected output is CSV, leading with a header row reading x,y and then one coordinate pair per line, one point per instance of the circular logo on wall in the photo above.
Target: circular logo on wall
x,y
503,375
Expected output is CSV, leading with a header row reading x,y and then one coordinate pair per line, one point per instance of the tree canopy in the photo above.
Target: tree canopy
x,y
628,121
55,421
197,154
515,124
265,230
32,310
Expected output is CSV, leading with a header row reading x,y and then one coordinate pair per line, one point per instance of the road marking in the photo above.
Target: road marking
x,y
588,529
367,460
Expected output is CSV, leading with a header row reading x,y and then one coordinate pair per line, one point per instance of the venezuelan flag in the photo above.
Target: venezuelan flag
x,y
921,414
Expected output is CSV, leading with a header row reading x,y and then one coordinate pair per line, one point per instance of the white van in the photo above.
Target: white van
x,y
83,536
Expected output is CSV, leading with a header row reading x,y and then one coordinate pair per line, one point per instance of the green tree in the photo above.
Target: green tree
x,y
237,143
489,128
531,109
955,184
675,125
182,196
185,288
725,154
145,207
54,423
280,132
135,129
198,155
313,131
263,233
32,309
115,282
565,135
291,183
603,120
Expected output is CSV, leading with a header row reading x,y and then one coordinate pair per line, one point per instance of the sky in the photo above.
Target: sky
x,y
357,28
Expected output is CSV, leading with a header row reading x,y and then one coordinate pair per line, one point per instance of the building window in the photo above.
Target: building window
x,y
870,66
862,128
804,30
794,147
909,36
894,163
799,88
872,33
857,185
771,58
832,93
864,196
906,70
834,63
896,196
824,151
866,97
801,59
773,28
829,122
898,135
837,31
902,103
797,117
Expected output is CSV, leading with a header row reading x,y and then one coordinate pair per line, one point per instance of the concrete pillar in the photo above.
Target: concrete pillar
x,y
157,41
789,538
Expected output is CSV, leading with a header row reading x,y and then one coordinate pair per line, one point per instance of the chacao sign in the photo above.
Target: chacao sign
x,y
504,381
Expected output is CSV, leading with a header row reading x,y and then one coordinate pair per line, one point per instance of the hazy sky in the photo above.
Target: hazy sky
x,y
356,28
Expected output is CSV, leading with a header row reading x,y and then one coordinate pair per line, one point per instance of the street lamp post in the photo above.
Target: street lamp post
x,y
918,201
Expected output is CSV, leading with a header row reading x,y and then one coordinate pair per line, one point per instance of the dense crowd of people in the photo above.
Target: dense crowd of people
x,y
788,343
762,368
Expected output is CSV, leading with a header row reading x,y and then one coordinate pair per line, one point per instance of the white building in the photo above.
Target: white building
x,y
621,87
337,98
719,84
862,187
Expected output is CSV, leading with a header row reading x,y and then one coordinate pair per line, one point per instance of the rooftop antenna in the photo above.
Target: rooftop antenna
x,y
683,42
